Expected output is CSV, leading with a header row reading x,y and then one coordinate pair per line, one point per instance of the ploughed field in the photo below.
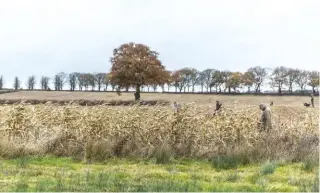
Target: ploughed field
x,y
113,97
141,148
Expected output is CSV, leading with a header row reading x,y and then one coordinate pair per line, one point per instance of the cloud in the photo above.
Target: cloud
x,y
44,37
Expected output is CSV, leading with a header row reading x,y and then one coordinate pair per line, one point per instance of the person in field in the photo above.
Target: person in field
x,y
265,123
118,92
271,104
218,107
176,107
312,100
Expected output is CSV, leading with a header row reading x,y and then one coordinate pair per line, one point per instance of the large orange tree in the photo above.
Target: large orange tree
x,y
136,65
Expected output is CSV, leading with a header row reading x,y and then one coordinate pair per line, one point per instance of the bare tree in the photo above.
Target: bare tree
x,y
16,83
188,75
260,75
56,82
92,81
178,80
162,87
217,80
72,80
226,77
31,82
106,82
154,87
1,82
195,78
86,80
99,78
293,74
113,85
63,79
279,78
201,80
80,80
169,83
44,83
59,80
313,80
302,80
207,77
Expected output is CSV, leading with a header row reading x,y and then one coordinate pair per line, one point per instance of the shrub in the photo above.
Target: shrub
x,y
225,162
268,168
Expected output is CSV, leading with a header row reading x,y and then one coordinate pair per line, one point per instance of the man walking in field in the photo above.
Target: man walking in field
x,y
312,100
176,107
218,107
265,120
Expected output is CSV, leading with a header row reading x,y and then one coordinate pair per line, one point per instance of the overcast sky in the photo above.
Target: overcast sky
x,y
43,37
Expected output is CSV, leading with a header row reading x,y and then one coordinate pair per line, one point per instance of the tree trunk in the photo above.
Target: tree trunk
x,y
279,89
258,88
290,88
137,93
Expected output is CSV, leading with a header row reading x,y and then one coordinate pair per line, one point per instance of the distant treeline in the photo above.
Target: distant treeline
x,y
186,80
294,93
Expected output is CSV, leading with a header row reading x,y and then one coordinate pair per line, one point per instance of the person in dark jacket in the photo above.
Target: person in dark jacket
x,y
218,107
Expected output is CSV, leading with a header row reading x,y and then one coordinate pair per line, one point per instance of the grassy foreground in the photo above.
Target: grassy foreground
x,y
63,174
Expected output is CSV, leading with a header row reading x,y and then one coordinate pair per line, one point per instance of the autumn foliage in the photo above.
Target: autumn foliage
x,y
136,65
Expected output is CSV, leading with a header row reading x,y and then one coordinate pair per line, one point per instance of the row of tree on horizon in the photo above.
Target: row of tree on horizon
x,y
137,66
209,80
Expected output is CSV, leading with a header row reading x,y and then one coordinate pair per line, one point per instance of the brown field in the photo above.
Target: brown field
x,y
196,98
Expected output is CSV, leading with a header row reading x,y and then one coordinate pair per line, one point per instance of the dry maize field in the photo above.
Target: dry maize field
x,y
100,132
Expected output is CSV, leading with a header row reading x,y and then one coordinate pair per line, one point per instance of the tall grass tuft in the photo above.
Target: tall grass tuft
x,y
232,177
225,162
315,187
268,168
22,185
163,154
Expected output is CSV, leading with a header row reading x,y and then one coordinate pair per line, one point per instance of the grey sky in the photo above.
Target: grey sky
x,y
43,37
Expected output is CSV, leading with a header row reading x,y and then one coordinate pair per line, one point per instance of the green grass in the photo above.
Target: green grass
x,y
268,168
225,162
63,174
